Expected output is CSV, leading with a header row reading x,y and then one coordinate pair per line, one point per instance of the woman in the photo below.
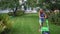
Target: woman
x,y
42,17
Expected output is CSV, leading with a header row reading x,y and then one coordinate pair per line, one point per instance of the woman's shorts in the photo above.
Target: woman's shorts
x,y
41,20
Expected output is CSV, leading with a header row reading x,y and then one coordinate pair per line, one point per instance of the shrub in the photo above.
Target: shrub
x,y
5,22
17,13
10,13
55,18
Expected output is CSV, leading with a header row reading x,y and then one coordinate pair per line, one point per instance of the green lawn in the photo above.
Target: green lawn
x,y
29,24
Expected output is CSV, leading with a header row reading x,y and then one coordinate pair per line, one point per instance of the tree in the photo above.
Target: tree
x,y
32,3
8,4
55,4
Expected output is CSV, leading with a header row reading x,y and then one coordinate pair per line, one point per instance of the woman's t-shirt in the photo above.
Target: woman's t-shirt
x,y
42,15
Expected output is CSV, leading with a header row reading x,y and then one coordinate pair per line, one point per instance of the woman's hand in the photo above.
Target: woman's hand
x,y
45,16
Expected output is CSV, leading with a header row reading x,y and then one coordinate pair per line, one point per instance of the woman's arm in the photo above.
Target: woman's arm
x,y
39,14
46,16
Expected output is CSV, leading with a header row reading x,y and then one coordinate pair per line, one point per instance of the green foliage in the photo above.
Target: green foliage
x,y
5,23
32,3
10,13
19,13
55,18
53,6
8,4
